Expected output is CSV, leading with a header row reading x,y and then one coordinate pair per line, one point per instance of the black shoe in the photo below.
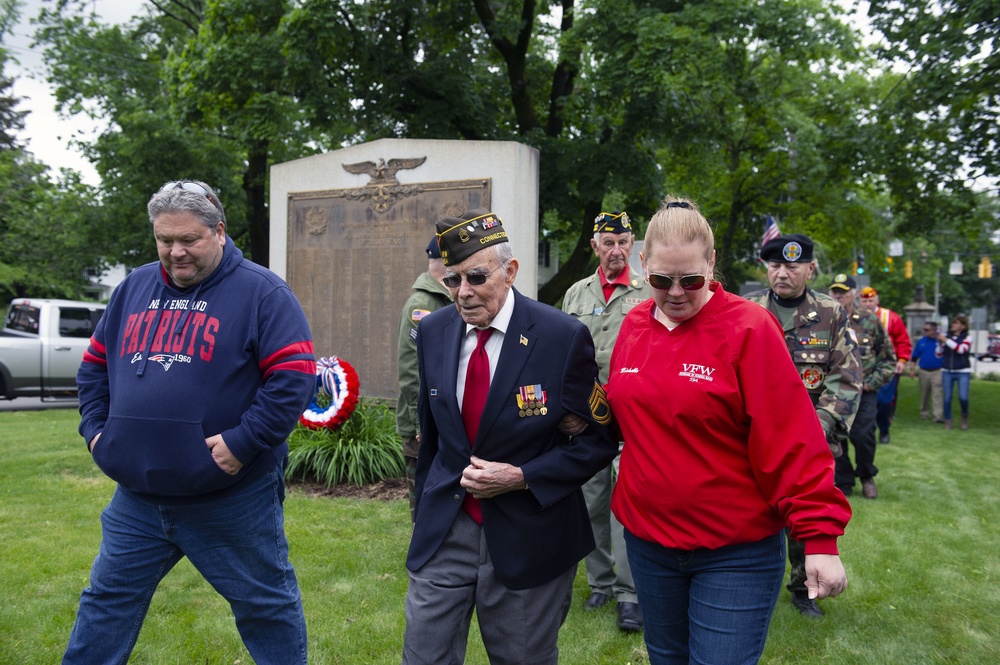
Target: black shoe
x,y
883,438
596,600
806,606
939,420
629,617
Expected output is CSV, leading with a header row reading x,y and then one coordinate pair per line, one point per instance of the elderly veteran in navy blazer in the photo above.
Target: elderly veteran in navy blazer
x,y
501,522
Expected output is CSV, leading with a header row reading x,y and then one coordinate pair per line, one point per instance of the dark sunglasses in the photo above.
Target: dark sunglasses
x,y
666,282
453,281
194,188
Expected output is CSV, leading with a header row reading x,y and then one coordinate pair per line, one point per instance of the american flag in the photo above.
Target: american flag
x,y
771,230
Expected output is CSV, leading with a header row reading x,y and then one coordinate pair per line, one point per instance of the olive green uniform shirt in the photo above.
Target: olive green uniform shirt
x,y
878,356
428,295
825,352
584,300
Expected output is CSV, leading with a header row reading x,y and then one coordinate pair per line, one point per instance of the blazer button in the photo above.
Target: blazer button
x,y
457,498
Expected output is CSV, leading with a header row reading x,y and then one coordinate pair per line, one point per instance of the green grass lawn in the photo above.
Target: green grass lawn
x,y
922,559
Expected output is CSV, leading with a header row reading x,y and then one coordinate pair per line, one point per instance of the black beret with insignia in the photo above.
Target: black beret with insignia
x,y
794,248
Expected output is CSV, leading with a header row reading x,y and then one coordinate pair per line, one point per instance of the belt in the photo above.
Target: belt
x,y
930,370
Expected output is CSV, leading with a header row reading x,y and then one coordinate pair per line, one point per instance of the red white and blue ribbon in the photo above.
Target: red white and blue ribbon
x,y
336,379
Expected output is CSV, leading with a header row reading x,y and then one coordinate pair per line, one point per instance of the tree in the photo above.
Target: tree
x,y
750,108
949,54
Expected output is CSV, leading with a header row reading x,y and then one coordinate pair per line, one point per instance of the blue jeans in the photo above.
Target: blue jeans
x,y
947,381
707,606
237,543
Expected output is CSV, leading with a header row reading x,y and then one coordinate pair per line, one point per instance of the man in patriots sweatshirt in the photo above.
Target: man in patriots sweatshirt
x,y
195,375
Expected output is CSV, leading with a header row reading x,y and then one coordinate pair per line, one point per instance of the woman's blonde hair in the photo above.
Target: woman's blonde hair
x,y
679,221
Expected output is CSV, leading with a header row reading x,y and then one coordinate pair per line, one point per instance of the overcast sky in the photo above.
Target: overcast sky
x,y
45,134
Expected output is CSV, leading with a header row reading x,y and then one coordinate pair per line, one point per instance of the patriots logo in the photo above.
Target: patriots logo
x,y
164,360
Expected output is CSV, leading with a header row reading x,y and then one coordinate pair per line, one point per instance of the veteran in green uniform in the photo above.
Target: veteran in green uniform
x,y
601,302
878,367
429,294
825,352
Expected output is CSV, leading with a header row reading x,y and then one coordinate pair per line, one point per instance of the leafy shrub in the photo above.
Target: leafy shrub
x,y
364,450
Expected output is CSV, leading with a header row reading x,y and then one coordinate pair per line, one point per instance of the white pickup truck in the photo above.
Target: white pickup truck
x,y
42,344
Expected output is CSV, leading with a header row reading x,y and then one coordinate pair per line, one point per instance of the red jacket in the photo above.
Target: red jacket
x,y
722,443
896,328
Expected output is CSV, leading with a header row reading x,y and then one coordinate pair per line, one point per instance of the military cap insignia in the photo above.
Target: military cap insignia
x,y
600,410
791,251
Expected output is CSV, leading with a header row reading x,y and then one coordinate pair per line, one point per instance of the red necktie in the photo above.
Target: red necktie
x,y
477,385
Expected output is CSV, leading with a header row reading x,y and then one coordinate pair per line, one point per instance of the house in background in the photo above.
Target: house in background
x,y
102,284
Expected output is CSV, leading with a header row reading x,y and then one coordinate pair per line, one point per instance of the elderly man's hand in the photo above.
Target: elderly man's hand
x,y
485,480
222,455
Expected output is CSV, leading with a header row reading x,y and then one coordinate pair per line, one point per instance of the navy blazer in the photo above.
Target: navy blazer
x,y
536,534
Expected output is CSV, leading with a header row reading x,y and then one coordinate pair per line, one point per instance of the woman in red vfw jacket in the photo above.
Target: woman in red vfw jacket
x,y
723,451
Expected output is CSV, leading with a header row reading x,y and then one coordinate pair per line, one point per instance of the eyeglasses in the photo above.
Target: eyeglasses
x,y
453,281
194,188
666,282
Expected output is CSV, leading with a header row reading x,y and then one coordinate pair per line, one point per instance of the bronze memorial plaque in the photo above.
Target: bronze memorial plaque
x,y
353,255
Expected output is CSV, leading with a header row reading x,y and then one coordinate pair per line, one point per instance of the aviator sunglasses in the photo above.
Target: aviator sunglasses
x,y
666,282
194,188
453,281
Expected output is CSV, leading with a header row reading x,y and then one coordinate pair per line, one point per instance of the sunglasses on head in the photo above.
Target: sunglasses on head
x,y
666,282
194,188
454,280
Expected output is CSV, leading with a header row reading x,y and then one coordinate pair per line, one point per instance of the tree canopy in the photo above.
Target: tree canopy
x,y
750,108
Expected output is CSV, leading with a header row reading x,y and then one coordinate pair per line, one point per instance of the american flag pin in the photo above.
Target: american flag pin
x,y
524,340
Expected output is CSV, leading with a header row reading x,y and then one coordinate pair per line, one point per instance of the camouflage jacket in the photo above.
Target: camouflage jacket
x,y
584,301
878,356
428,295
824,350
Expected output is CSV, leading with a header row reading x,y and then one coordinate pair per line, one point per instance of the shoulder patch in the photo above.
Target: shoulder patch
x,y
418,314
600,410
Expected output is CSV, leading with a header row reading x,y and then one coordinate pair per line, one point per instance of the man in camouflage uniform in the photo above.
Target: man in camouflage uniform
x,y
429,294
878,365
601,302
825,352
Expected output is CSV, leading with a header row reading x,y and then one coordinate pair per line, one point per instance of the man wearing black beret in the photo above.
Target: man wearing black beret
x,y
500,522
825,352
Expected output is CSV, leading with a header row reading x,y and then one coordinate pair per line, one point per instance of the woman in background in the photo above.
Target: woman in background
x,y
723,451
956,368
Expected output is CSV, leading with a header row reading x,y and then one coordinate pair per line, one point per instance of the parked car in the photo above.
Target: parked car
x,y
992,351
42,344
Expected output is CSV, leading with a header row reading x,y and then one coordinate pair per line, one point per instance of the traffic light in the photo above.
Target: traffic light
x,y
985,268
908,270
888,264
854,267
861,264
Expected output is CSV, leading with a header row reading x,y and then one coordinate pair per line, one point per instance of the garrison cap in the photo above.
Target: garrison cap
x,y
868,292
844,282
461,237
794,248
612,222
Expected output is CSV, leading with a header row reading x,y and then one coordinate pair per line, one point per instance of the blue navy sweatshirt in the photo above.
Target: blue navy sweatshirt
x,y
168,367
